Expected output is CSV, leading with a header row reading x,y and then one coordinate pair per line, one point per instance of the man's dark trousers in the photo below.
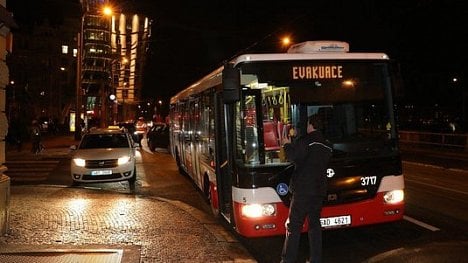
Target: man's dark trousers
x,y
303,206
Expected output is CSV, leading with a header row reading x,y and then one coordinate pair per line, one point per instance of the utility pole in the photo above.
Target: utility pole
x,y
78,83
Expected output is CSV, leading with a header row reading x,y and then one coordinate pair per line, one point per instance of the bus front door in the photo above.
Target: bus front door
x,y
224,155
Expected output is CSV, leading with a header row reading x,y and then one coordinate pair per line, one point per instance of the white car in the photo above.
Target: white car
x,y
104,155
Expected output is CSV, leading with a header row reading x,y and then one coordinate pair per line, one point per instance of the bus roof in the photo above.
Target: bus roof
x,y
210,80
309,56
215,77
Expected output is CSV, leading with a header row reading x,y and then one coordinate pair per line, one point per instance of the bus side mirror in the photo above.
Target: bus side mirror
x,y
231,84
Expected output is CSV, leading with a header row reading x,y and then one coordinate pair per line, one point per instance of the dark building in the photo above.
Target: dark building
x,y
43,68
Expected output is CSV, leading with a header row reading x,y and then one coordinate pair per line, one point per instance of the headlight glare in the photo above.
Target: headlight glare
x,y
258,210
393,197
123,160
268,210
79,162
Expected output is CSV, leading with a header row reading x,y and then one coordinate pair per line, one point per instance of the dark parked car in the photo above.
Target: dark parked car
x,y
158,136
131,129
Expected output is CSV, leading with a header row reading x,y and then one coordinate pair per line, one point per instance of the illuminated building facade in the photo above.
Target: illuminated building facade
x,y
113,58
130,34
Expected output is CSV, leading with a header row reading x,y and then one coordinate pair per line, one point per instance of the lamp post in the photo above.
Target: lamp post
x,y
79,98
124,92
107,11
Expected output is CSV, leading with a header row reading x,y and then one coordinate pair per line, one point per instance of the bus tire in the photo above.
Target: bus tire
x,y
179,164
206,189
209,193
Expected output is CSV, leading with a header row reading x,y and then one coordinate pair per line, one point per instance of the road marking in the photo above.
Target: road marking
x,y
420,223
147,150
144,183
435,166
437,186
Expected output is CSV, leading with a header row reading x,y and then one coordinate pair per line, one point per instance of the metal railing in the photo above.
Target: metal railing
x,y
450,140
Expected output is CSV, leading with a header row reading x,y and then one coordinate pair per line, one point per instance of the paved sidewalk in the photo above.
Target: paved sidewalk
x,y
56,146
165,230
60,219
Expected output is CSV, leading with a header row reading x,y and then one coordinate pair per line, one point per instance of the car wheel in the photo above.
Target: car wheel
x,y
152,146
132,179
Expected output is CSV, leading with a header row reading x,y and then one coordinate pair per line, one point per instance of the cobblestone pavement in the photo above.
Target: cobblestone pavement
x,y
167,231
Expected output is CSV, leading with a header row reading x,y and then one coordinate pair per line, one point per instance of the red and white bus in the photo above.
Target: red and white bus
x,y
226,130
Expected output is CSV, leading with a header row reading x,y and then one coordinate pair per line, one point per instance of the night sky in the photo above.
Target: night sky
x,y
192,38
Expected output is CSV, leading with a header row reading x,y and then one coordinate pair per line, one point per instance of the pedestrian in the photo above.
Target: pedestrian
x,y
141,129
15,133
37,146
310,155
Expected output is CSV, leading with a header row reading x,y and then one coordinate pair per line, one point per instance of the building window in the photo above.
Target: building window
x,y
64,49
75,52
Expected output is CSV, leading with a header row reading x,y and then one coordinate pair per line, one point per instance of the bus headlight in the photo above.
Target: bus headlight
x,y
79,162
258,210
393,197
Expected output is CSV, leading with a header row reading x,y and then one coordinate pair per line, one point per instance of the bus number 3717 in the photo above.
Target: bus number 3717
x,y
226,134
368,180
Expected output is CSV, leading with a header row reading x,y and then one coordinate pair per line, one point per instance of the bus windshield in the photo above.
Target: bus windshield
x,y
353,99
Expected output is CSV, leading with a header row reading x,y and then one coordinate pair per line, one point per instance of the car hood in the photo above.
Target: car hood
x,y
103,154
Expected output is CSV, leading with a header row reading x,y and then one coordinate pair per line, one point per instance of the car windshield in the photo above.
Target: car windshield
x,y
94,141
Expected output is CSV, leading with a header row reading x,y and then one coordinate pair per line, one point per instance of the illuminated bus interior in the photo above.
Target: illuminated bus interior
x,y
357,116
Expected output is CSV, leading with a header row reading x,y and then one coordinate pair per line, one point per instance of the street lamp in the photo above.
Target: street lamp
x,y
286,42
107,10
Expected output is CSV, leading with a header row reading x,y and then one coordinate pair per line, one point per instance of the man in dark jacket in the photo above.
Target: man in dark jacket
x,y
310,154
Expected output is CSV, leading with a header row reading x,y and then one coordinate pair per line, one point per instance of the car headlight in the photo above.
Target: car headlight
x,y
393,197
258,210
79,162
123,160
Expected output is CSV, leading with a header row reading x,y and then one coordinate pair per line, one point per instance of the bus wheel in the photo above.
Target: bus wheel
x,y
206,189
211,195
179,165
